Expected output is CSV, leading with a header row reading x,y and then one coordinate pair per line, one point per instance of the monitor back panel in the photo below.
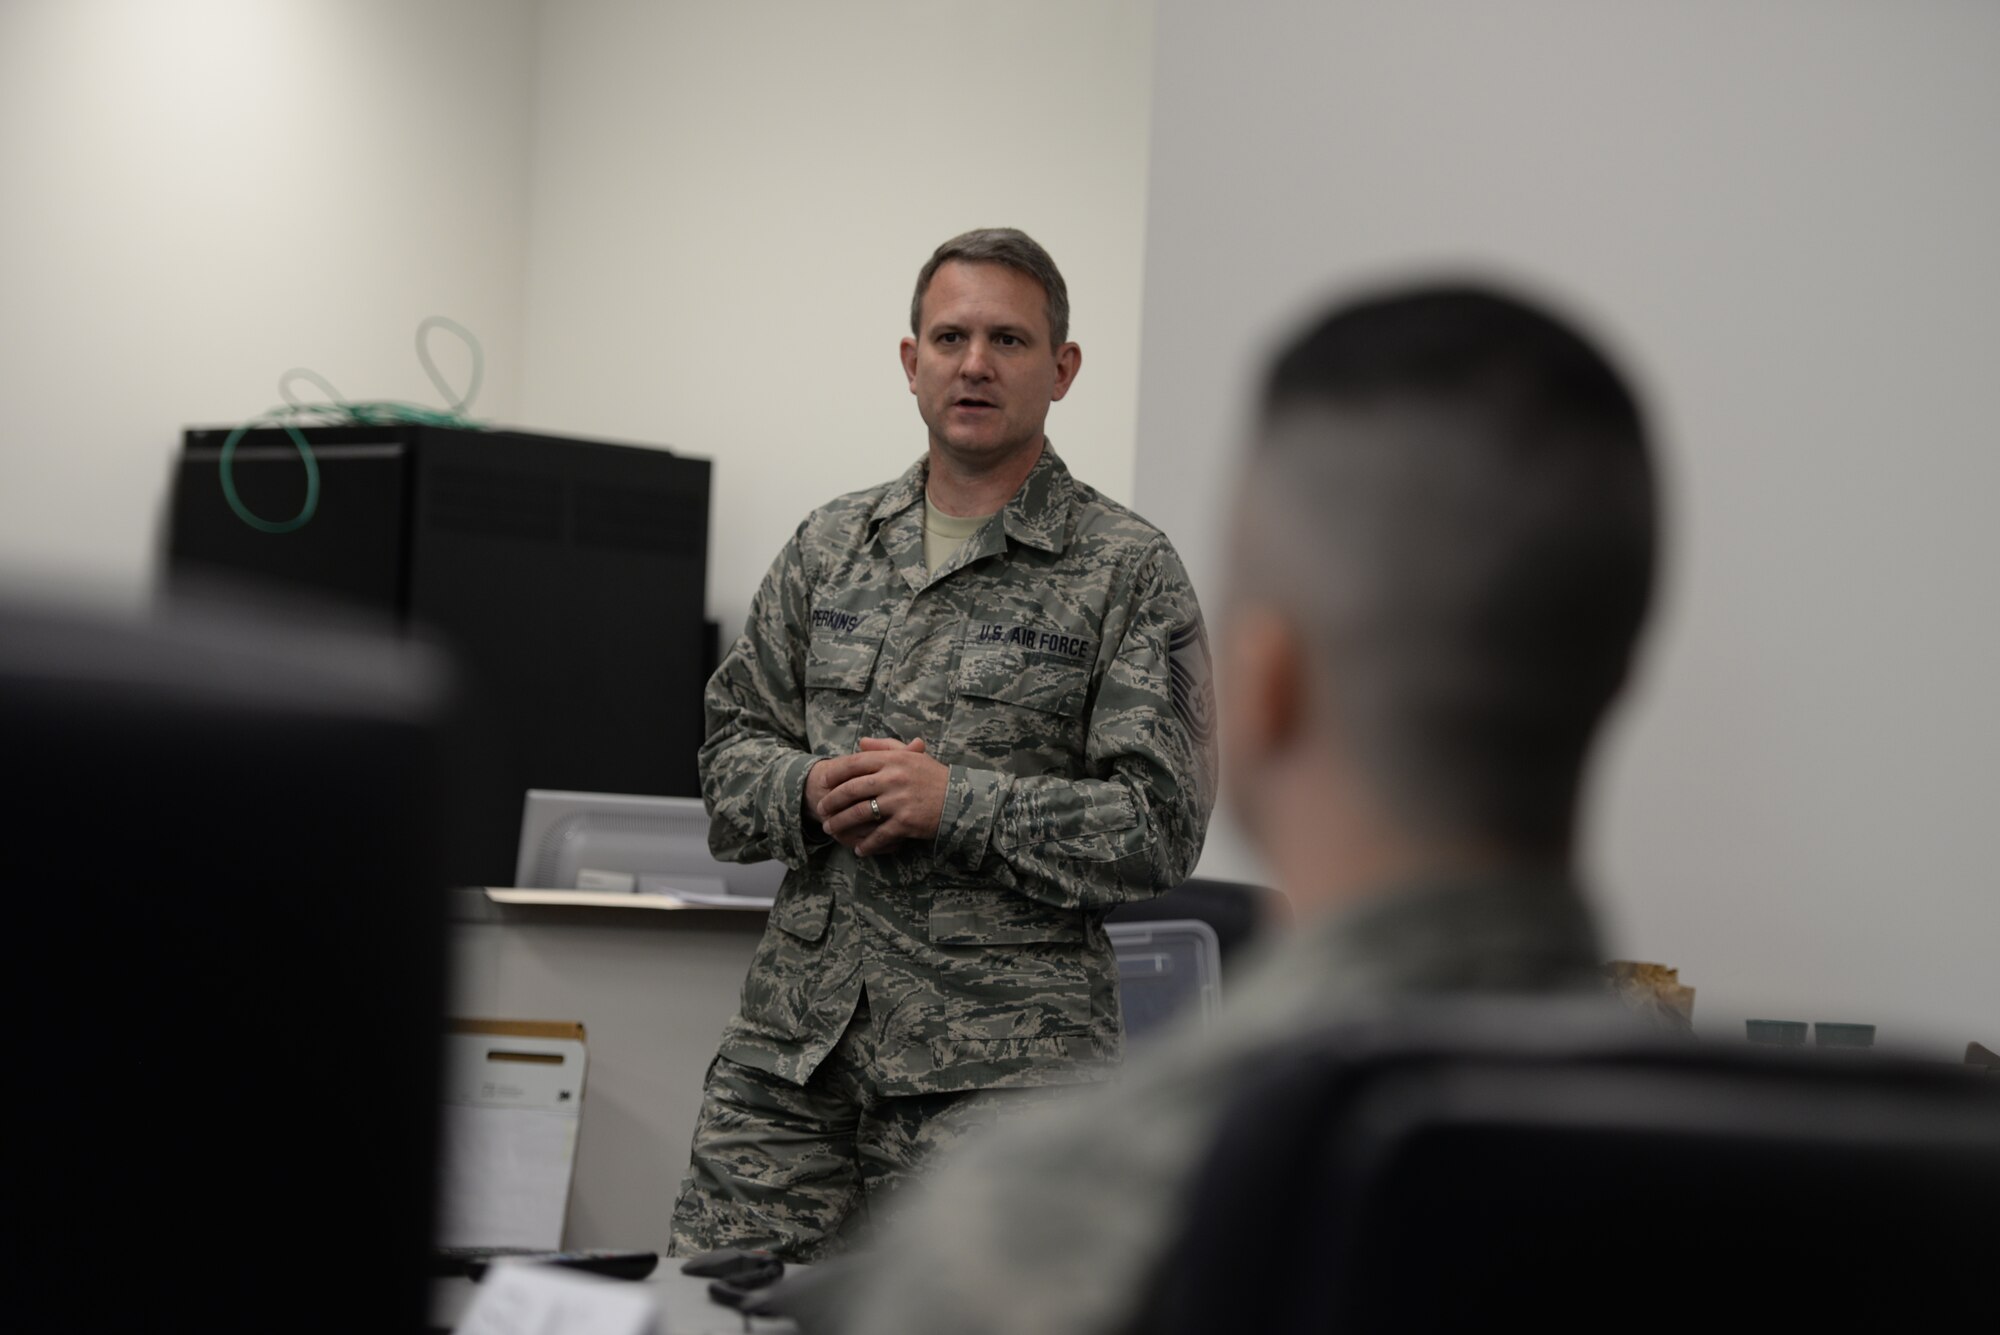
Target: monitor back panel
x,y
229,968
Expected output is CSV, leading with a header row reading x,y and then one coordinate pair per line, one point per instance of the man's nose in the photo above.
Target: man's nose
x,y
977,364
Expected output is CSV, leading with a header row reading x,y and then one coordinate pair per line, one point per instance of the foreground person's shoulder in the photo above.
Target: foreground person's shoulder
x,y
1052,1226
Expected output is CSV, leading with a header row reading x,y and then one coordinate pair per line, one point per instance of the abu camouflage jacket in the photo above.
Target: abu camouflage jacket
x,y
1057,664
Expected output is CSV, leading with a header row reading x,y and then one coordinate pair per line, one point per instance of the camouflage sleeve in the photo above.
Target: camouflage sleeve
x,y
1134,825
755,758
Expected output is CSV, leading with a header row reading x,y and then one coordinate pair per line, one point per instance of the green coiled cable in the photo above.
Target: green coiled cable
x,y
334,410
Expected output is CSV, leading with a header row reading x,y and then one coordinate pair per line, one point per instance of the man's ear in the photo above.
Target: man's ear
x,y
1265,687
909,351
1069,360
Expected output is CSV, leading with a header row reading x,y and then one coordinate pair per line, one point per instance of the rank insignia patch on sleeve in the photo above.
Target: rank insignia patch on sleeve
x,y
1193,680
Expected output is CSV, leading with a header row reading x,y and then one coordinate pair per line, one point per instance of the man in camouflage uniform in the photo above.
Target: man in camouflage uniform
x,y
970,713
1443,556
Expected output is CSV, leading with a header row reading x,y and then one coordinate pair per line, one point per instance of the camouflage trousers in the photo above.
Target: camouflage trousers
x,y
808,1171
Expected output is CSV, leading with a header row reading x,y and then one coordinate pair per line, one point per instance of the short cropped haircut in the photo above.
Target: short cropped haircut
x,y
1000,245
1453,492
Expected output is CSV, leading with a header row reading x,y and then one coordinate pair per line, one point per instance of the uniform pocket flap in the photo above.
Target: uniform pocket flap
x,y
842,650
989,915
1028,680
802,910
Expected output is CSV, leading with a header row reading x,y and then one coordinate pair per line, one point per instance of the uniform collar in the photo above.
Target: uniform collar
x,y
1476,934
1473,933
1038,515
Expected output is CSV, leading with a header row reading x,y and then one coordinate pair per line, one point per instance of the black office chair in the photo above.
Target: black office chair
x,y
1512,1161
1239,912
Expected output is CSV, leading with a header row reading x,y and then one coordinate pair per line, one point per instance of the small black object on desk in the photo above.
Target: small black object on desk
x,y
473,1262
734,1266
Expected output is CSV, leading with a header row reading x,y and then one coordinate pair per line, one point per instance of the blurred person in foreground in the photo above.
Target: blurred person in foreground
x,y
1442,556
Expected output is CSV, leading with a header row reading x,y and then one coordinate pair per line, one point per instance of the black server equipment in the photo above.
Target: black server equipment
x,y
565,576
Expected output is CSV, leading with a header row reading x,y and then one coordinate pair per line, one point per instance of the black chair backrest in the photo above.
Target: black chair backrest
x,y
1521,1161
1239,912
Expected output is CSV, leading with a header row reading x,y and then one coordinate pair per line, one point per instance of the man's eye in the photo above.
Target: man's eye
x,y
947,338
1008,340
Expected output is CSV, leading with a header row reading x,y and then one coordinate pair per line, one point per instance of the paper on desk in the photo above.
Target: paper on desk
x,y
705,892
619,899
699,900
523,1299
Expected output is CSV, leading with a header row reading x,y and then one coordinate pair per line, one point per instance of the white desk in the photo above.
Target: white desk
x,y
685,1307
653,990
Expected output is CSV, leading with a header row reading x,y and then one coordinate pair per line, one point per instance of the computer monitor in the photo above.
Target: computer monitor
x,y
623,843
228,969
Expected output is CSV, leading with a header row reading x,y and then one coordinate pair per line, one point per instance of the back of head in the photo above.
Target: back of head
x,y
1452,497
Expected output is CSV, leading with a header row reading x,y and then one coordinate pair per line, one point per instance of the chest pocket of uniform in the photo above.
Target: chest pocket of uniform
x,y
840,664
1017,709
1032,681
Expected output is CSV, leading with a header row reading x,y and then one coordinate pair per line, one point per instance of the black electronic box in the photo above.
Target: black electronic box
x,y
566,577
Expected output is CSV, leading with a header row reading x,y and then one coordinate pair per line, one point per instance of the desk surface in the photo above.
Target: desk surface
x,y
685,1308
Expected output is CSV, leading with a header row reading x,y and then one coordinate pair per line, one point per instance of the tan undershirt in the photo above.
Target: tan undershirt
x,y
944,534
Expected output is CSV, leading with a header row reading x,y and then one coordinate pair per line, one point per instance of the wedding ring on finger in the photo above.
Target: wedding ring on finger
x,y
875,808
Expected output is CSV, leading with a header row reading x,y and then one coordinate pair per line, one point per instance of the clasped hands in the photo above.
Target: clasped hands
x,y
907,785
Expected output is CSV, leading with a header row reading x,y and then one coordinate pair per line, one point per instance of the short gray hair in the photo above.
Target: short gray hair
x,y
1000,245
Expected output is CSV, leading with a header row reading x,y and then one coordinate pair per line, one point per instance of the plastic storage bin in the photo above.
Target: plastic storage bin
x,y
1164,969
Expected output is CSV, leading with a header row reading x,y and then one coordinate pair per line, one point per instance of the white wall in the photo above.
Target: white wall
x,y
731,202
1786,214
203,194
692,224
